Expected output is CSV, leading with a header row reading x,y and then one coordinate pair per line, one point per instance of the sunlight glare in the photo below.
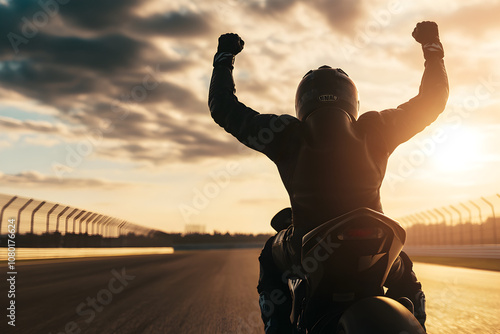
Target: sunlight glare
x,y
460,151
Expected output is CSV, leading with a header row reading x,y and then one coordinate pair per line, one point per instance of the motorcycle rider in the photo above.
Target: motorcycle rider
x,y
330,160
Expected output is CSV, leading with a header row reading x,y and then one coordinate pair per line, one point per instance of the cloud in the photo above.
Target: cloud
x,y
91,60
175,24
90,73
341,15
96,15
99,15
172,145
474,20
29,179
41,141
11,124
95,70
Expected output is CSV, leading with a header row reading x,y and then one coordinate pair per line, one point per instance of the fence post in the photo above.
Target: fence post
x,y
470,222
105,227
481,236
120,229
416,223
495,241
124,226
90,221
460,227
48,216
426,228
420,228
59,216
436,219
82,220
109,226
84,217
451,237
102,226
76,217
3,209
498,195
19,214
444,224
96,224
33,215
117,225
432,237
67,218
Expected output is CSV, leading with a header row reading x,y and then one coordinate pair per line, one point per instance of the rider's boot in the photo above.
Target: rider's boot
x,y
402,282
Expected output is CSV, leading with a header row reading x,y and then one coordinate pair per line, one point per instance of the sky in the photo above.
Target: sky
x,y
103,103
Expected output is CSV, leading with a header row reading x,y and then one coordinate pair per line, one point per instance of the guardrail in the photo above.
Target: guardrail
x,y
472,222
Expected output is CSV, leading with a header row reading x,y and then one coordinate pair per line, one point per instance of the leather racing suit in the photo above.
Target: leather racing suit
x,y
328,163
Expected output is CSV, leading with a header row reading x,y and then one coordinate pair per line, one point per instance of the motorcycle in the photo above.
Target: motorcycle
x,y
345,263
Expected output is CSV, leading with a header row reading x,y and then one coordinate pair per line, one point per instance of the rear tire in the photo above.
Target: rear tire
x,y
376,315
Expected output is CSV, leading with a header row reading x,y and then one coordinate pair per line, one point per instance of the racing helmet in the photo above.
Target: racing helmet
x,y
323,87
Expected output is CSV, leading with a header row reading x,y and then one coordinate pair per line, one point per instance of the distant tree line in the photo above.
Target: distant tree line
x,y
155,239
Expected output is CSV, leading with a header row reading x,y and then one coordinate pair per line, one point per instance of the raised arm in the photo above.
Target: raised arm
x,y
400,124
262,132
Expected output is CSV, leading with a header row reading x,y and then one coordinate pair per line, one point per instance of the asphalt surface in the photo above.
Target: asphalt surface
x,y
204,292
460,300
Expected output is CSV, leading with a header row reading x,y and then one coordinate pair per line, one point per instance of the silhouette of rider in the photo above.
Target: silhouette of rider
x,y
330,159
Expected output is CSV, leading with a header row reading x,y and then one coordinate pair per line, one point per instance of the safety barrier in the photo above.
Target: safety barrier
x,y
36,217
472,222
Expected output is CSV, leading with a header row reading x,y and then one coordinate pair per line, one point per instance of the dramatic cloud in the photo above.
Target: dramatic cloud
x,y
125,63
10,124
112,75
99,15
90,61
342,15
174,24
36,179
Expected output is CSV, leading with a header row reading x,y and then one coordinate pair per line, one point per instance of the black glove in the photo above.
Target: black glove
x,y
229,46
231,43
426,33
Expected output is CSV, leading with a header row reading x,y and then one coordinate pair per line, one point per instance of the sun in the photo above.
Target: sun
x,y
460,149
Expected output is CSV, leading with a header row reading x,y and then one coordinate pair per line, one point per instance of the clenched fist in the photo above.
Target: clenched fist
x,y
231,43
426,32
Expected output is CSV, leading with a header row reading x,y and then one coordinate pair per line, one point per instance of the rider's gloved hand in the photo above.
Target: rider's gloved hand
x,y
426,33
229,46
231,43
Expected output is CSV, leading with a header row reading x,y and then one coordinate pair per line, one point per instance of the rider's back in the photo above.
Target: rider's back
x,y
334,166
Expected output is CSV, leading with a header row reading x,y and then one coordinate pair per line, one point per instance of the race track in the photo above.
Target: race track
x,y
204,292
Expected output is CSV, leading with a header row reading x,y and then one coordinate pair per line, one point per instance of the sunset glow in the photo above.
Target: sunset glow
x,y
461,151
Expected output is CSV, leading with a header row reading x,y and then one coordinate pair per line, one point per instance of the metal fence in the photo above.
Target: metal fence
x,y
470,222
41,217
